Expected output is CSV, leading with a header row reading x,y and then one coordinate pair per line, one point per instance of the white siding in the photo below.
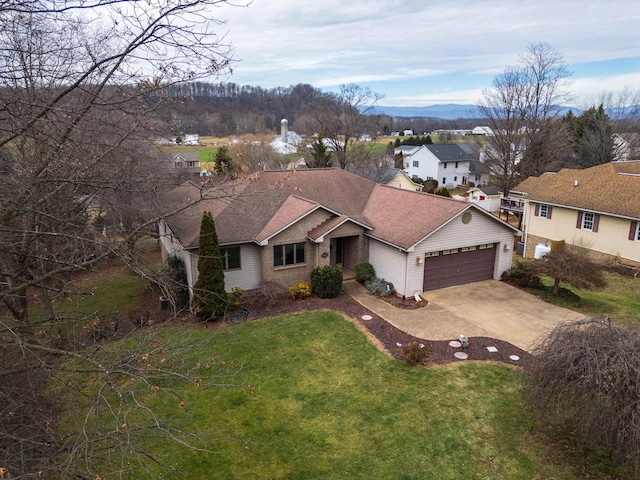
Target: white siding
x,y
247,277
389,263
481,230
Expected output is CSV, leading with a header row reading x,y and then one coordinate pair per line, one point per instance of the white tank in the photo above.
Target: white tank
x,y
541,250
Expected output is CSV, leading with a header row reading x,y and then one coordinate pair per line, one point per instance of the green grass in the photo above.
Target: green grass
x,y
308,396
620,299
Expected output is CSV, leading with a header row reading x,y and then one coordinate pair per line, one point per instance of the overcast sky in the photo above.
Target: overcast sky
x,y
425,52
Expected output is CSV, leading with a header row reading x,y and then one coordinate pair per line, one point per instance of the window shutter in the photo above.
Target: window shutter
x,y
633,230
579,222
537,214
596,221
549,209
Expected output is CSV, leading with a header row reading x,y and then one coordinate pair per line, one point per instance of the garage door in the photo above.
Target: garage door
x,y
458,266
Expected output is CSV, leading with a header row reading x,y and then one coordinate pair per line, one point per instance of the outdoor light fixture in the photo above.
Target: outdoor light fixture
x,y
419,260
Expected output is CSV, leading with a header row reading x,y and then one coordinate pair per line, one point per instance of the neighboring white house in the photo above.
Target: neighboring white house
x,y
447,163
191,139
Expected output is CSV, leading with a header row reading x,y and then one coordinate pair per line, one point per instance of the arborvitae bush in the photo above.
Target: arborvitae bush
x,y
326,282
364,272
209,294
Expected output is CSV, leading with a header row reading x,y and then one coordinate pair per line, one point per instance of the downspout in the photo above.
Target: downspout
x,y
525,219
406,275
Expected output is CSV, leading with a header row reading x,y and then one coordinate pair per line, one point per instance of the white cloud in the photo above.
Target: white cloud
x,y
330,42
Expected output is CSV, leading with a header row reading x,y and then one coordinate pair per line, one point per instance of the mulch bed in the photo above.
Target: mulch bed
x,y
384,334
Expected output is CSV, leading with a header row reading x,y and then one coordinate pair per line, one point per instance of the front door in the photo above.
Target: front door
x,y
338,251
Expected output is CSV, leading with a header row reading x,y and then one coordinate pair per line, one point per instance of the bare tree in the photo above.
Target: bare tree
x,y
584,380
572,268
79,83
521,100
341,121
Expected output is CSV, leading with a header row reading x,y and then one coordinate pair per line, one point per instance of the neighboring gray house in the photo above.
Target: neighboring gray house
x,y
280,225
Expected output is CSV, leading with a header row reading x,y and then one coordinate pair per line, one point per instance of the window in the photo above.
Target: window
x,y
455,179
588,221
444,180
634,232
414,176
406,165
456,164
444,165
543,211
177,164
415,164
290,254
230,258
191,164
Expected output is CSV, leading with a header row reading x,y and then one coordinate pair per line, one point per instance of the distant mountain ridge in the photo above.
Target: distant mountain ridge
x,y
450,111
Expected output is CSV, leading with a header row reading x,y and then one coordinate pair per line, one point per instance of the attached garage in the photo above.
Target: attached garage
x,y
457,266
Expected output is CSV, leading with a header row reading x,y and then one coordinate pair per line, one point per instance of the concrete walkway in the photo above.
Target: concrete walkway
x,y
481,309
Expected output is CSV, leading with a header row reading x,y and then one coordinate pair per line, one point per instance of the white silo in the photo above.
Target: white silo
x,y
284,130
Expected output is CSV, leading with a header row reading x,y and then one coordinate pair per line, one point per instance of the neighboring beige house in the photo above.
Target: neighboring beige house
x,y
485,197
394,177
280,225
597,209
188,162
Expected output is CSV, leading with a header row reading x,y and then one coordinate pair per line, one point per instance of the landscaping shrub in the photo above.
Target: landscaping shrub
x,y
414,353
584,380
268,293
177,273
364,272
379,286
326,281
235,296
299,291
522,274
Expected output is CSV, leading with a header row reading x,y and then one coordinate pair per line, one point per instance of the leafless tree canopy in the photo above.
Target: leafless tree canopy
x,y
79,83
341,121
517,106
585,380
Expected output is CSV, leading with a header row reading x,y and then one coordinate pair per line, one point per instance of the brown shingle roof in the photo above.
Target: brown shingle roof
x,y
403,217
609,188
258,207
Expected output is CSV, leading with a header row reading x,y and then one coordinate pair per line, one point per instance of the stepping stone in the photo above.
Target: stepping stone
x,y
455,344
515,358
461,355
492,349
366,317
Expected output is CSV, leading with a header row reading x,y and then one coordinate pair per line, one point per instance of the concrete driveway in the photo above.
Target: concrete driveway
x,y
483,309
501,311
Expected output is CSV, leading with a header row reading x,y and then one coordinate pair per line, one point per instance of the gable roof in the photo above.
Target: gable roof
x,y
449,152
609,188
265,203
486,190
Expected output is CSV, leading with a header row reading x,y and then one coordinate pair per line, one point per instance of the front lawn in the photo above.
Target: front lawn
x,y
308,396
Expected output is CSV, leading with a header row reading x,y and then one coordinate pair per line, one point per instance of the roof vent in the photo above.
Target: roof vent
x,y
575,183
